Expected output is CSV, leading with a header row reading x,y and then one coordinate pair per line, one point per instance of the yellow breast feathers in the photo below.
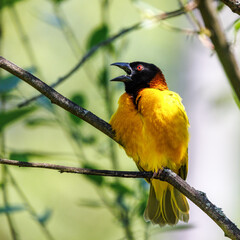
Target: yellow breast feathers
x,y
155,131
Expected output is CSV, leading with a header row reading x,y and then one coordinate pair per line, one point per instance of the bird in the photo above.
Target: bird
x,y
151,124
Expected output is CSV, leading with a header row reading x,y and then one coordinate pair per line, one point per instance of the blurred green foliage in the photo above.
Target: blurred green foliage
x,y
8,3
115,194
11,116
11,209
40,130
79,99
98,35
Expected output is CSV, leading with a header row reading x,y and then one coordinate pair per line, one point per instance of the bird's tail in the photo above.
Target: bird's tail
x,y
166,205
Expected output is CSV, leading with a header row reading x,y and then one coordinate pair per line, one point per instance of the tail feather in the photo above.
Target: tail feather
x,y
168,208
160,220
180,201
166,205
152,209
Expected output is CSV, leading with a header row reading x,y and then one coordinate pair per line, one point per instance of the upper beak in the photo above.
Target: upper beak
x,y
127,68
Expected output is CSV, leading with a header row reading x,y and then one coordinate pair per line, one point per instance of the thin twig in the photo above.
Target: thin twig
x,y
29,206
221,45
4,179
24,38
11,224
66,29
71,39
57,98
197,197
163,16
82,61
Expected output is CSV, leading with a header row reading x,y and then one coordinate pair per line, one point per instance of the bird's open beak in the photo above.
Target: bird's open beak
x,y
127,68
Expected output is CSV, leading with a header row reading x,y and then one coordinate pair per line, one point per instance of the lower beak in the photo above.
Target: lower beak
x,y
123,78
127,68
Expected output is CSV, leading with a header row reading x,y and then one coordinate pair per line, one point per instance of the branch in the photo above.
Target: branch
x,y
234,5
57,98
83,60
163,16
221,45
197,197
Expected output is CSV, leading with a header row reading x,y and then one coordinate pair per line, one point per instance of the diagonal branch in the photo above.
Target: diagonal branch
x,y
221,45
197,197
57,98
234,5
163,16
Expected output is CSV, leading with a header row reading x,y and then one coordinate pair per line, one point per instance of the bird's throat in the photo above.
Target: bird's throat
x,y
158,82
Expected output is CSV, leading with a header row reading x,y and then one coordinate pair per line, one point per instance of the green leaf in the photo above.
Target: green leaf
x,y
11,209
36,122
98,35
237,25
97,180
10,82
22,157
45,216
81,138
58,1
220,6
46,103
9,117
88,139
120,200
8,3
120,188
76,136
90,203
141,206
103,77
52,20
236,99
80,100
9,96
26,156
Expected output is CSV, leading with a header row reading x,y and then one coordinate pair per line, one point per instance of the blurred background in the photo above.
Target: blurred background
x,y
48,38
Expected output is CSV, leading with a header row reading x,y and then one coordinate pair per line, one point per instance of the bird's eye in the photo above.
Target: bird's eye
x,y
140,68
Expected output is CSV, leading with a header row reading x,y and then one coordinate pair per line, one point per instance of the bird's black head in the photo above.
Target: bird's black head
x,y
139,75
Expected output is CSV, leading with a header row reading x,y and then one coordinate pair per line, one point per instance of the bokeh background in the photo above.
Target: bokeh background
x,y
48,38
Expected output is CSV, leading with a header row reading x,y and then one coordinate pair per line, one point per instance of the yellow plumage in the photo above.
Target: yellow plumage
x,y
153,129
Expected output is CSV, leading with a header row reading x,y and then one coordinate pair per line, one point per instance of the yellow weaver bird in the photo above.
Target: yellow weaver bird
x,y
152,126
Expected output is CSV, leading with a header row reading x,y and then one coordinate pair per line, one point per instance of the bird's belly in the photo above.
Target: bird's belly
x,y
159,150
150,149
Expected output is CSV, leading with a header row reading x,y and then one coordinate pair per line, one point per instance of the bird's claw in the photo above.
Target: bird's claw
x,y
157,173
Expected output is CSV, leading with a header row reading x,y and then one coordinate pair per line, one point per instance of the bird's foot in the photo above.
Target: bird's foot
x,y
157,173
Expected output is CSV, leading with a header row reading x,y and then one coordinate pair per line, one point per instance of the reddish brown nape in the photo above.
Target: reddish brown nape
x,y
159,82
